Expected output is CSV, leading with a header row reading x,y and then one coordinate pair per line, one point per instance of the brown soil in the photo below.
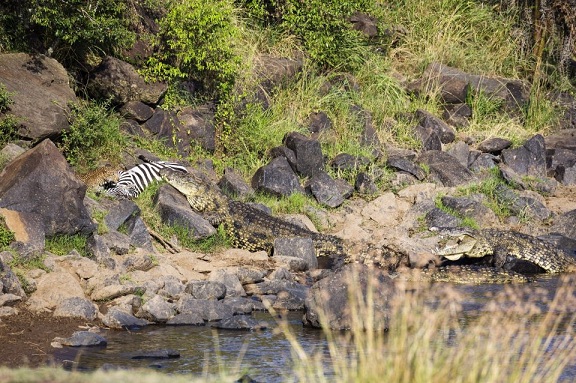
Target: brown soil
x,y
25,338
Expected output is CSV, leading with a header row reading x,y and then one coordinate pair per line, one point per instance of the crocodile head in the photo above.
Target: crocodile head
x,y
193,187
456,243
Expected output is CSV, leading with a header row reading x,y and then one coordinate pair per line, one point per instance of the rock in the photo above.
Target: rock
x,y
230,281
318,122
445,168
429,138
364,23
197,127
565,224
76,307
11,151
240,322
331,297
113,291
118,212
291,299
9,299
405,164
187,319
176,211
40,182
282,151
457,115
206,289
294,264
427,120
158,310
234,185
364,184
83,339
163,125
471,207
118,319
241,305
325,189
526,205
138,233
529,159
54,288
209,310
277,178
482,162
119,82
302,248
345,161
494,145
41,93
117,242
309,157
454,86
461,151
250,275
136,110
437,217
28,229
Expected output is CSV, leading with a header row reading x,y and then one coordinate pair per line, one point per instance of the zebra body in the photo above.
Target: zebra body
x,y
134,180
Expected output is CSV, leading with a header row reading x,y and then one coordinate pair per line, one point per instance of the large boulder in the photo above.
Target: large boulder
x,y
119,81
40,184
330,297
40,91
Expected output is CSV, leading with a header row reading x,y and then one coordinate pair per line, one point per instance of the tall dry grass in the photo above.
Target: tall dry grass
x,y
520,335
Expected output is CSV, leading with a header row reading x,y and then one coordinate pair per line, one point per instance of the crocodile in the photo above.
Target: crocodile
x,y
253,229
248,227
506,249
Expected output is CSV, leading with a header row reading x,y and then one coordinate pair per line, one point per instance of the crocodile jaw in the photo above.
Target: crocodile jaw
x,y
458,248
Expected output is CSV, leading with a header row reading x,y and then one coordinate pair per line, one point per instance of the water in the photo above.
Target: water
x,y
266,355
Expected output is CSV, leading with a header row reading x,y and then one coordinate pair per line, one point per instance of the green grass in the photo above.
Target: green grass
x,y
64,244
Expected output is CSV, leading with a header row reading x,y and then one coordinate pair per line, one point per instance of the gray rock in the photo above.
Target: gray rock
x,y
41,93
494,145
445,133
318,122
206,289
9,280
405,164
176,211
291,299
241,305
143,262
446,168
471,207
172,289
116,318
293,263
429,138
302,248
209,310
277,178
83,339
345,161
197,127
461,151
136,110
282,151
522,204
117,242
119,211
186,319
439,218
41,182
483,161
457,115
163,124
241,322
309,157
11,151
234,185
9,299
158,310
529,159
76,307
364,184
325,189
118,81
565,224
138,233
331,296
250,275
96,246
230,280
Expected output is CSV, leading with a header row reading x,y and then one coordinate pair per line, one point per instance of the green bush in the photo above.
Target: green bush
x,y
74,28
8,122
196,41
94,134
322,26
6,236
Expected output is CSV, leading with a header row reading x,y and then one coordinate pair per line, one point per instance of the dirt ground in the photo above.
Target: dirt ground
x,y
25,338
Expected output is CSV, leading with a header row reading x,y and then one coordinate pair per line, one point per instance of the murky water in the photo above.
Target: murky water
x,y
264,354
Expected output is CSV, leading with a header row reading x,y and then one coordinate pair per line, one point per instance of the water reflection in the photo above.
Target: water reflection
x,y
266,355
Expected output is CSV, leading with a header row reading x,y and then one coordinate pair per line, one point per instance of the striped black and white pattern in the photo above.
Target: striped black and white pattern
x,y
133,181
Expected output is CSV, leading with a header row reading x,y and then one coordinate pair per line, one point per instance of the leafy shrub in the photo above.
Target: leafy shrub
x,y
8,122
6,236
196,42
72,29
94,134
322,27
